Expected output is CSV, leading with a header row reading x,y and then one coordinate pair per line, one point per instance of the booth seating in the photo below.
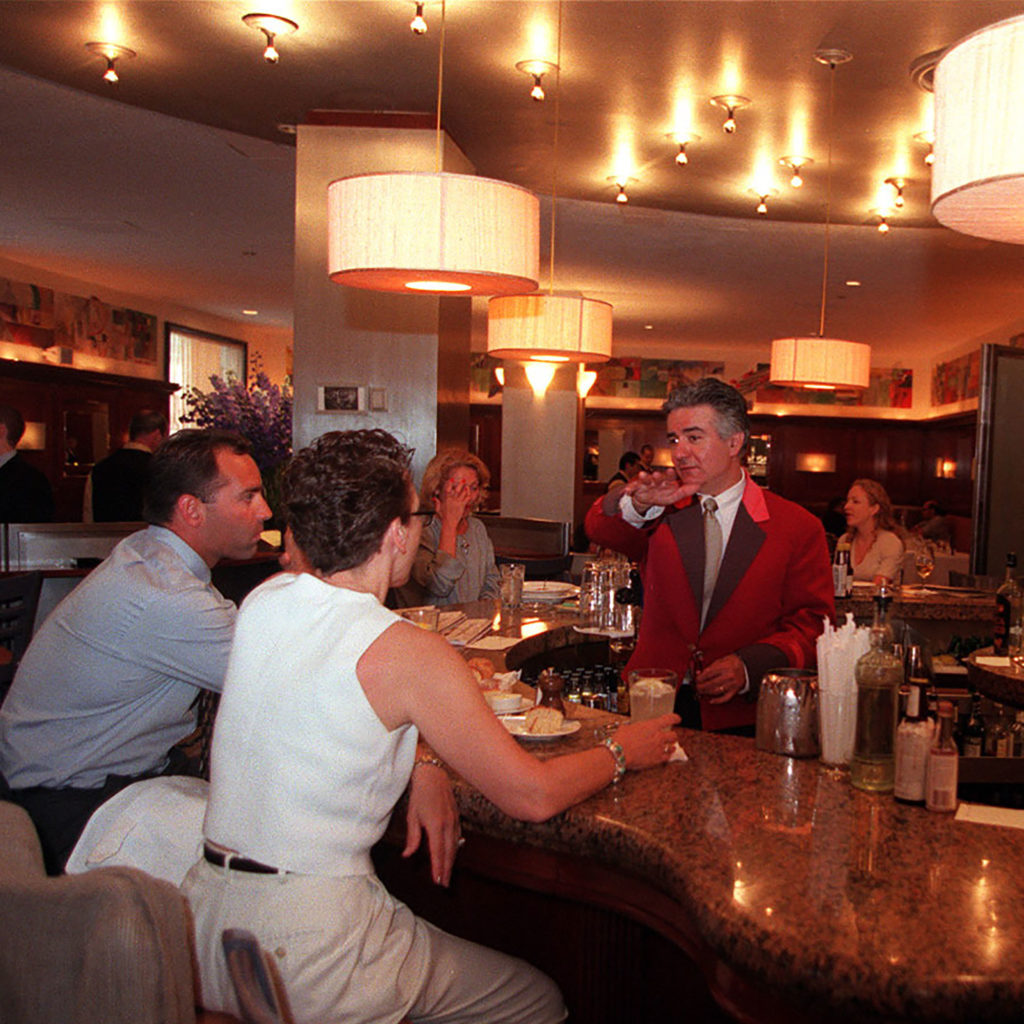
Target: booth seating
x,y
542,545
113,945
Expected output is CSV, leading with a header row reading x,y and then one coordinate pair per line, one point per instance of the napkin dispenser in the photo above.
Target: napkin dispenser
x,y
787,713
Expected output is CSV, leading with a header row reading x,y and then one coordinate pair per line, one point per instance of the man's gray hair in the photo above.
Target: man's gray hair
x,y
729,406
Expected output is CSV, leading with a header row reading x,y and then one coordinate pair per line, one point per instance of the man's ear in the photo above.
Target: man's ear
x,y
736,443
190,510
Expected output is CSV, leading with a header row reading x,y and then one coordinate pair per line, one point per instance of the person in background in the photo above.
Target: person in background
x,y
934,526
327,689
876,550
629,466
763,608
647,457
25,493
109,682
114,489
455,560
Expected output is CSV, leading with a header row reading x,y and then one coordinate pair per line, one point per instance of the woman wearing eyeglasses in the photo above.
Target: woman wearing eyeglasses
x,y
455,562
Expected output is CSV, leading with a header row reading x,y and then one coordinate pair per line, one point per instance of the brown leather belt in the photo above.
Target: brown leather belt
x,y
222,859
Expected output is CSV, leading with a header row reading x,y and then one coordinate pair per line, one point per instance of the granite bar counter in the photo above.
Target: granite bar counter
x,y
793,896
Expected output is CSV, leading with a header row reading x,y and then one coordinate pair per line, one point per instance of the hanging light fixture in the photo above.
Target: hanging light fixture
x,y
819,362
796,164
763,195
272,26
111,53
536,69
553,327
730,104
433,232
682,140
419,23
621,183
978,175
927,139
897,185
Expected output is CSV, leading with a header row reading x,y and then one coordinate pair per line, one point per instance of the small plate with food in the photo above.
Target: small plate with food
x,y
540,723
507,702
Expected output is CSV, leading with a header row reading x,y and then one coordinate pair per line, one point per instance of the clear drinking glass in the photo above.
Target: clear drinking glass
x,y
652,692
924,562
512,575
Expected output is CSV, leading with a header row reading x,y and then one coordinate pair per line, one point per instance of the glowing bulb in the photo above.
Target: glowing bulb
x,y
110,75
796,181
762,207
271,25
270,54
930,158
585,381
681,157
499,375
540,376
537,92
622,197
437,286
883,227
729,125
418,24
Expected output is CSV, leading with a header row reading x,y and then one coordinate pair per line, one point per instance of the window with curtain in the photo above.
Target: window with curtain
x,y
195,356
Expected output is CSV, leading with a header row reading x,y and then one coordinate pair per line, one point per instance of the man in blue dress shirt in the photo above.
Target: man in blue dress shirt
x,y
108,684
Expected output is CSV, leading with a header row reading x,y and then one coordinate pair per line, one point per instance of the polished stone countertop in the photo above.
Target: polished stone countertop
x,y
1002,684
847,905
917,601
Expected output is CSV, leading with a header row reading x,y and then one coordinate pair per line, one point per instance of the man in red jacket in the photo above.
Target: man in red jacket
x,y
769,583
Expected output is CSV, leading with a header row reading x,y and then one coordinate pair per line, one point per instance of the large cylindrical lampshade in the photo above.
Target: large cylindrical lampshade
x,y
566,328
441,233
978,174
820,363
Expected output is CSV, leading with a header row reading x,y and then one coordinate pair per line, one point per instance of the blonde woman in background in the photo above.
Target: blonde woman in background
x,y
455,561
876,550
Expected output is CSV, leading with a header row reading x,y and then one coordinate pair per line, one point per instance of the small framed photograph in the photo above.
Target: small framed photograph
x,y
340,398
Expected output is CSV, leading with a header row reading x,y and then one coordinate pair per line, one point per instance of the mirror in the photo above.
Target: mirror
x,y
86,436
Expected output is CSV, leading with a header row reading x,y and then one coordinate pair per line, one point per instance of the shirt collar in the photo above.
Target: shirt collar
x,y
730,498
188,554
7,456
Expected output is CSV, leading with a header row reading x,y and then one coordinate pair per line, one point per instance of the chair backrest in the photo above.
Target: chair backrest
x,y
19,598
516,537
250,973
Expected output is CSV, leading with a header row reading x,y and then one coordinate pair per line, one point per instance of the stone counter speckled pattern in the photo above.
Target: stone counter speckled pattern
x,y
845,904
922,603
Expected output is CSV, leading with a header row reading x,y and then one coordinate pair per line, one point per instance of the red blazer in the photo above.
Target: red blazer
x,y
773,592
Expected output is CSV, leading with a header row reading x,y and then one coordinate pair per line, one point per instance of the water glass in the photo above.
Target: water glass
x,y
426,618
512,575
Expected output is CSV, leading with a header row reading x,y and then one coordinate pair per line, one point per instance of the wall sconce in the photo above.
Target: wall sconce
x,y
111,53
540,376
796,164
945,469
499,375
585,381
34,438
621,183
537,69
896,184
815,462
271,25
682,141
927,139
763,197
730,104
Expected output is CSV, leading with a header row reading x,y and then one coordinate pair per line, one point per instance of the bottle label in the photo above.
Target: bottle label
x,y
972,747
913,741
942,781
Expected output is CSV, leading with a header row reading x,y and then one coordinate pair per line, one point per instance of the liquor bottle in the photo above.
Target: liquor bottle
x,y
974,731
842,571
943,764
1006,626
1002,737
914,737
1017,736
878,674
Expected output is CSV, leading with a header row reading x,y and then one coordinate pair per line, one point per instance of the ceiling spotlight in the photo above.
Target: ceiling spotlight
x,y
730,104
762,199
621,183
418,23
537,69
272,26
896,184
796,164
682,141
927,139
111,53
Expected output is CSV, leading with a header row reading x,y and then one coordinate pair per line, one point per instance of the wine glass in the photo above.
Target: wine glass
x,y
924,562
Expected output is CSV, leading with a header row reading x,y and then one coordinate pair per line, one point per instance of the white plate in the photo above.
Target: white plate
x,y
613,634
516,724
549,590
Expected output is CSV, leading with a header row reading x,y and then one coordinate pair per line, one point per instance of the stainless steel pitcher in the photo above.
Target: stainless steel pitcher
x,y
787,712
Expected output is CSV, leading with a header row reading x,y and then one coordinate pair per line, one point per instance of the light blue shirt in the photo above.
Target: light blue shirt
x,y
106,687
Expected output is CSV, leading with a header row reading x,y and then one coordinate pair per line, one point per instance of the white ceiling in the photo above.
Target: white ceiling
x,y
177,184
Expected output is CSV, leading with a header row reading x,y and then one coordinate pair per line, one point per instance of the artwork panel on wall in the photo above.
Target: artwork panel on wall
x,y
43,325
888,388
957,379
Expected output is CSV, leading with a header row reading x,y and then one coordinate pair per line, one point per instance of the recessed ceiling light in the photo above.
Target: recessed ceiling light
x,y
250,312
853,284
648,327
287,129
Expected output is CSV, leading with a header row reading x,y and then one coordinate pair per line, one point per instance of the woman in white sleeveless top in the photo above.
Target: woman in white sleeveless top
x,y
325,696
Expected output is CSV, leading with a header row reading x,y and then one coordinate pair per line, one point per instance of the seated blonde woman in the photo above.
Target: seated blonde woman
x,y
872,533
455,561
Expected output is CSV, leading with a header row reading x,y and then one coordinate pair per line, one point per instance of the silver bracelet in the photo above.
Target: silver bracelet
x,y
615,749
427,759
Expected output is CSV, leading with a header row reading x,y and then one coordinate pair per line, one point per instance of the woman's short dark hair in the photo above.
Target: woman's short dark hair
x,y
729,405
343,491
186,463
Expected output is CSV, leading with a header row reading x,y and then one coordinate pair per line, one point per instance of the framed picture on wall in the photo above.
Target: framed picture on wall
x,y
340,398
